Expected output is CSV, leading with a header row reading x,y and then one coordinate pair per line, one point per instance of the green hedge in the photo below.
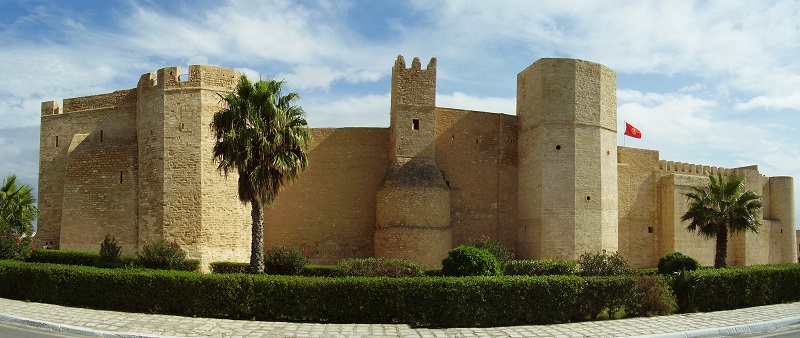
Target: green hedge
x,y
738,287
539,267
308,270
92,258
418,301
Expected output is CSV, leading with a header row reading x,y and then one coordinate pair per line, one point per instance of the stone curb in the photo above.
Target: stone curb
x,y
69,328
730,330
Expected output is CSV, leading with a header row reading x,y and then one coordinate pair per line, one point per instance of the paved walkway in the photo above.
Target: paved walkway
x,y
119,324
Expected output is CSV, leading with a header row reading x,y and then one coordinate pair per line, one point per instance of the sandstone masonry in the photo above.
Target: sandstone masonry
x,y
549,182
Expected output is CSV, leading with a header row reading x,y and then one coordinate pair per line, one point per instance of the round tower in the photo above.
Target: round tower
x,y
567,202
781,196
413,203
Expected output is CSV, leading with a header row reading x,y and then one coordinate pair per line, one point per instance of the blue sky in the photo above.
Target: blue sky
x,y
714,83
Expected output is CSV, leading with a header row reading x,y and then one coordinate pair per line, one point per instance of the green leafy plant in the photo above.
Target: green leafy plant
x,y
13,245
163,255
539,267
657,298
497,249
377,267
283,260
602,264
675,262
467,260
109,252
230,267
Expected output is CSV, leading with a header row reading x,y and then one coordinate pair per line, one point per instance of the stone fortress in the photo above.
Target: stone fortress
x,y
548,182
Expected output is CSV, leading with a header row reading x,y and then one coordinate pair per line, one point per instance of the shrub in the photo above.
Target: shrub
x,y
163,255
656,297
283,260
320,271
498,250
230,267
675,262
380,267
468,260
539,267
109,253
602,264
13,245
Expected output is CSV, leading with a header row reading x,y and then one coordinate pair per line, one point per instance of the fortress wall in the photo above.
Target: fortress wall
x,y
111,131
477,153
330,209
150,127
226,222
638,213
674,236
124,99
100,195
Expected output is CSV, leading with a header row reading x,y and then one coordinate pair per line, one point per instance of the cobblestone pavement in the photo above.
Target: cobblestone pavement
x,y
120,324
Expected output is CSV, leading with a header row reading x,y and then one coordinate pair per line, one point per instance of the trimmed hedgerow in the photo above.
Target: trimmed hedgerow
x,y
419,301
733,288
539,267
92,258
380,267
230,267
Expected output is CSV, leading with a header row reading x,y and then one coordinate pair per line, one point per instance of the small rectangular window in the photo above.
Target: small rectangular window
x,y
120,177
415,124
56,141
650,230
101,136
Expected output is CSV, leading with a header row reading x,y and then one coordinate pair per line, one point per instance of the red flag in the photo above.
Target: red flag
x,y
632,131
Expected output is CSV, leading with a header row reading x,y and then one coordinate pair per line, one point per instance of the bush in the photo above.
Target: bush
x,y
539,267
13,245
109,253
319,271
163,255
675,262
230,267
657,298
67,257
419,301
468,260
380,267
733,288
283,260
498,250
602,264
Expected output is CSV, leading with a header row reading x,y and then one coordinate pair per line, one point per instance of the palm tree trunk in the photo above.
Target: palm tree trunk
x,y
257,243
722,247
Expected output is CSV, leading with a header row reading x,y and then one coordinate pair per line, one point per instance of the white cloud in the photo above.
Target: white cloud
x,y
321,77
488,104
350,111
780,102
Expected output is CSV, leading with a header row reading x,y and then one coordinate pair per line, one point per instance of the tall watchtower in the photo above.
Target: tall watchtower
x,y
567,202
413,203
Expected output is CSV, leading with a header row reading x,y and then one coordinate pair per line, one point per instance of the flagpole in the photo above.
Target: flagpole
x,y
623,135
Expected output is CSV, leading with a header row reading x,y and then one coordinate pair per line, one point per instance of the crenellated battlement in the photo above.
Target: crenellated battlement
x,y
414,86
199,76
695,169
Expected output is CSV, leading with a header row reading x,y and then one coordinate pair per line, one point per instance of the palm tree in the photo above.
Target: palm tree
x,y
722,207
17,208
263,136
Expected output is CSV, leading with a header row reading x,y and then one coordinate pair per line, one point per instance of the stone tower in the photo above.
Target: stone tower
x,y
413,203
178,180
567,199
